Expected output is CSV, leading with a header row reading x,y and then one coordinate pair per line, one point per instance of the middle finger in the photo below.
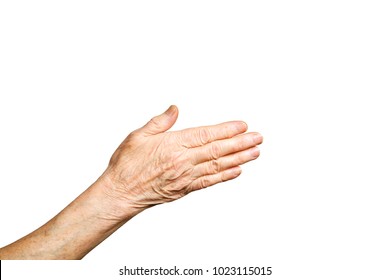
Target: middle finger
x,y
225,147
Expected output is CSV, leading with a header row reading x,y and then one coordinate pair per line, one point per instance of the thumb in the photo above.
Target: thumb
x,y
161,123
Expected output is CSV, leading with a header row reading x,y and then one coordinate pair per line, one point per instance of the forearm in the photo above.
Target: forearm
x,y
76,230
151,166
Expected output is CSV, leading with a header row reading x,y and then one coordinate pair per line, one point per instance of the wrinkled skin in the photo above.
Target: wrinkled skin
x,y
150,167
153,166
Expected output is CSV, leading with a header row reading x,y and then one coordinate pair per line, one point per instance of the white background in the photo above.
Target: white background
x,y
312,76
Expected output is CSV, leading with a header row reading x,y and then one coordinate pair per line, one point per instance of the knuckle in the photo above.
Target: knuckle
x,y
224,177
239,158
205,182
133,136
215,151
214,167
241,145
155,123
204,136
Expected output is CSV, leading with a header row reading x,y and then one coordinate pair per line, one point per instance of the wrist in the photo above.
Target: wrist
x,y
117,205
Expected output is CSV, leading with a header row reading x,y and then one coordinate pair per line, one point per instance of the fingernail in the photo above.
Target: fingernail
x,y
235,171
171,110
244,125
255,152
258,138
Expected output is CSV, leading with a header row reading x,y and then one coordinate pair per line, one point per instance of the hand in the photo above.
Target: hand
x,y
153,166
150,167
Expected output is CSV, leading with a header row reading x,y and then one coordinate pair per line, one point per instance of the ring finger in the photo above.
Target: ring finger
x,y
218,165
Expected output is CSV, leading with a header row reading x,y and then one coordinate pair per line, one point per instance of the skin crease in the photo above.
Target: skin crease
x,y
151,166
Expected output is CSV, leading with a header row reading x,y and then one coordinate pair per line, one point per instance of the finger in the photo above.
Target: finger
x,y
161,123
199,136
209,180
226,162
217,149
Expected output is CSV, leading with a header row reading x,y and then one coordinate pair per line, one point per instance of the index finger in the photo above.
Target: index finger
x,y
199,136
